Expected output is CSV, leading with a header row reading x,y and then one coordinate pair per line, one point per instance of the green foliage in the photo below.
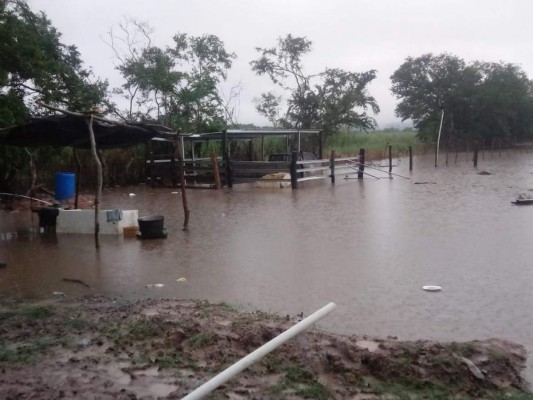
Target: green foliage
x,y
35,64
175,86
482,102
24,353
329,100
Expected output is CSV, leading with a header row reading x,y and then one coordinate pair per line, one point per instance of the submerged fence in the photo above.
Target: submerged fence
x,y
215,171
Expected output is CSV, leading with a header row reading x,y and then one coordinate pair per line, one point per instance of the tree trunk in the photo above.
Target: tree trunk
x,y
99,180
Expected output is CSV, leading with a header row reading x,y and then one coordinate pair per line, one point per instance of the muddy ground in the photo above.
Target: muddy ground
x,y
99,348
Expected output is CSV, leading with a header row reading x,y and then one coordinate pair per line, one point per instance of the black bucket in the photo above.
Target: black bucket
x,y
152,227
47,217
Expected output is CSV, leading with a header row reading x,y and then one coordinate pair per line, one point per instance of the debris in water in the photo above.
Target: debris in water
x,y
79,281
425,183
181,279
174,192
151,285
432,288
484,173
132,195
58,294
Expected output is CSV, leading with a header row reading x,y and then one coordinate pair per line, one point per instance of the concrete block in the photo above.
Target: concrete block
x,y
82,221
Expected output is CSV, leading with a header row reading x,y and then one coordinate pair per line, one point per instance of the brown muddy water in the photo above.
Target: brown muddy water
x,y
367,245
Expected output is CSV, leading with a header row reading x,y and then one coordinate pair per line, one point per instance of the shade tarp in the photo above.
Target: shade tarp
x,y
72,131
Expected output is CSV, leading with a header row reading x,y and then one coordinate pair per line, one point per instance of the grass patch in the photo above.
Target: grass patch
x,y
314,391
144,328
35,312
24,353
247,319
300,381
172,360
376,143
201,340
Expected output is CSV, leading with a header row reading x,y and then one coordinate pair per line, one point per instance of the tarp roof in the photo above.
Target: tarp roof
x,y
244,134
71,131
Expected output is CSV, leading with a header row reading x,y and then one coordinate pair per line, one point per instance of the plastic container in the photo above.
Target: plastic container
x,y
65,185
152,227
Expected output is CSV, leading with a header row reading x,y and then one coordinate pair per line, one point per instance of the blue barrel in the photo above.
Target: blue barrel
x,y
65,185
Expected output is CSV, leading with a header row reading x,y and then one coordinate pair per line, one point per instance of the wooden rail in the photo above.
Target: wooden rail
x,y
213,172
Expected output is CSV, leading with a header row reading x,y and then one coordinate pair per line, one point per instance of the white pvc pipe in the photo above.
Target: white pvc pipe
x,y
256,355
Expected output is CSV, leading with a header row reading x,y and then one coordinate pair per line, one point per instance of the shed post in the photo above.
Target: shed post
x,y
320,144
152,164
410,158
299,141
173,173
227,161
99,179
181,163
250,150
216,172
294,176
262,148
78,171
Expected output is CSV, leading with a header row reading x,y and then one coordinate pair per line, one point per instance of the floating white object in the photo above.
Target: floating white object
x,y
181,280
174,192
431,288
151,285
132,195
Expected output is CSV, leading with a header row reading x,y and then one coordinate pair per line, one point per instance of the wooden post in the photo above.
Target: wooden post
x,y
250,150
226,157
294,176
173,168
99,179
262,148
390,158
78,171
181,166
332,166
216,172
410,158
476,152
320,145
361,164
152,165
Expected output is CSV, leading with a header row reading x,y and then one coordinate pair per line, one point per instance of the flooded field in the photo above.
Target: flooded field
x,y
367,245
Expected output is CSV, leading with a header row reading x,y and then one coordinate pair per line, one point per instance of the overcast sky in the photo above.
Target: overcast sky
x,y
356,35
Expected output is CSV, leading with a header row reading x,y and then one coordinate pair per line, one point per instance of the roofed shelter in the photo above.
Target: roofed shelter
x,y
82,130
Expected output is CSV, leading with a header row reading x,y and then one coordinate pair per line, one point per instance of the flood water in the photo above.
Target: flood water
x,y
368,246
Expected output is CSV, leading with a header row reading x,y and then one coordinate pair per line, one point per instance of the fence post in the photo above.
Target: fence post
x,y
410,158
332,166
476,152
390,158
294,176
361,164
216,172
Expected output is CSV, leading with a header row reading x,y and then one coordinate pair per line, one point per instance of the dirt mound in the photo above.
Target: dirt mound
x,y
99,348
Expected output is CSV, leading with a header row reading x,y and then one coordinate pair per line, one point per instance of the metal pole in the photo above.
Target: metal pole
x,y
438,140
